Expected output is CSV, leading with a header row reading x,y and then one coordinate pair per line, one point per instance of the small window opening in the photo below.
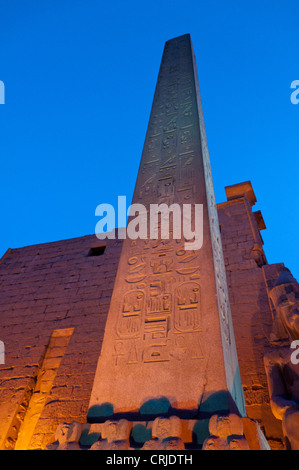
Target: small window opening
x,y
96,251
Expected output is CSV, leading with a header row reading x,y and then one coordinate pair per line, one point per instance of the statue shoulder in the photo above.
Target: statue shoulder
x,y
277,355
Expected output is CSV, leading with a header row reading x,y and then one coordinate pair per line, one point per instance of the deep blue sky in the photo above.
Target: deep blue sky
x,y
80,77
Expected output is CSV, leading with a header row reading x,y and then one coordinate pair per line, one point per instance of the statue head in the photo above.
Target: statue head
x,y
285,299
68,432
223,426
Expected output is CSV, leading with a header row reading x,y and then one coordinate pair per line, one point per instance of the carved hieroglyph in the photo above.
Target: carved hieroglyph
x,y
168,338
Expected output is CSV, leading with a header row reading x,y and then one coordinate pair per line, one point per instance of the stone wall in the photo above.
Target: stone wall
x,y
245,263
48,291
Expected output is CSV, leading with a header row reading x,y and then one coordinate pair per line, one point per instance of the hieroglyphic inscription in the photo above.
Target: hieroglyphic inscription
x,y
167,276
167,302
161,311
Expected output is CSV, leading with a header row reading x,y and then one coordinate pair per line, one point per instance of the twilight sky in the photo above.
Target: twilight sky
x,y
79,81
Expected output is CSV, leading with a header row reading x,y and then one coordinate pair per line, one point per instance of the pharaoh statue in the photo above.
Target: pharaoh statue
x,y
282,362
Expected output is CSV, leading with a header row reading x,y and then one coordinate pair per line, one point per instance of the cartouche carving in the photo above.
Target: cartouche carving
x,y
68,436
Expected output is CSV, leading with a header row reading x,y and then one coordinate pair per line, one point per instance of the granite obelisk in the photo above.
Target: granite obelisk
x,y
169,345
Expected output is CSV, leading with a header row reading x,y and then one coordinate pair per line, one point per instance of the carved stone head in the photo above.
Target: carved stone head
x,y
116,430
223,426
285,299
166,427
68,432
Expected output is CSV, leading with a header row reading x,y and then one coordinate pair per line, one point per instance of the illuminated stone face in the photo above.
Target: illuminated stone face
x,y
116,430
223,426
226,433
169,342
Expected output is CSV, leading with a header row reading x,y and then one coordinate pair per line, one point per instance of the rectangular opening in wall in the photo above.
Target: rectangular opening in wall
x,y
97,251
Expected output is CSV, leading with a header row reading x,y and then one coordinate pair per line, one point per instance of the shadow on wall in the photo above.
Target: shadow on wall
x,y
263,330
219,402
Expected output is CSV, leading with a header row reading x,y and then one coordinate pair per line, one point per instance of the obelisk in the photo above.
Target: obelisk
x,y
169,344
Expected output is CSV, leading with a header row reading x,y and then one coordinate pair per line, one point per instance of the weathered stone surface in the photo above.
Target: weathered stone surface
x,y
254,435
167,427
226,434
114,436
223,426
57,286
248,277
235,191
169,322
170,443
166,433
114,445
220,432
68,436
26,325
